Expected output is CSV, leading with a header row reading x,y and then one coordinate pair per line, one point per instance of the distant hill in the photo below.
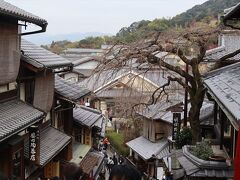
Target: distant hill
x,y
206,13
44,38
209,9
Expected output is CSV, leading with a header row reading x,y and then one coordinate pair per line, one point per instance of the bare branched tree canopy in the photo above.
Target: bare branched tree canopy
x,y
184,48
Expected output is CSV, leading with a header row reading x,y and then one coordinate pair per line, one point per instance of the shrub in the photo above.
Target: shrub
x,y
117,141
202,150
184,137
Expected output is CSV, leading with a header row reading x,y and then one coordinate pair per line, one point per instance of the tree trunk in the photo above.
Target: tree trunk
x,y
196,101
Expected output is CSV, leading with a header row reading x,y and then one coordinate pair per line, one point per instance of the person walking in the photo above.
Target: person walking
x,y
115,161
105,143
120,159
111,164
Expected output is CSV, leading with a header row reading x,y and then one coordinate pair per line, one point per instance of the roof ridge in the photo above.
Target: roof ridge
x,y
90,109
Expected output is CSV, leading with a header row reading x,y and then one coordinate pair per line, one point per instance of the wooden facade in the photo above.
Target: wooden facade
x,y
9,50
154,130
28,92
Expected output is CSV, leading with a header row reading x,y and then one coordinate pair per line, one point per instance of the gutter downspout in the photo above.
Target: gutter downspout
x,y
44,27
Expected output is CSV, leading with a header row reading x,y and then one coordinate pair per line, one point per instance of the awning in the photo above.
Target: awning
x,y
79,152
15,116
147,149
52,142
87,116
92,162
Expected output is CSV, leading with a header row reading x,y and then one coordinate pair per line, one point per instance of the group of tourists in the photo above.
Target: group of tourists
x,y
110,162
115,165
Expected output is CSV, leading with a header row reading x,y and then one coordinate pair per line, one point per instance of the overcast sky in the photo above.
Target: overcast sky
x,y
107,16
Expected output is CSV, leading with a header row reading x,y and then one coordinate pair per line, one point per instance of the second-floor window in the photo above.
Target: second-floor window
x,y
8,87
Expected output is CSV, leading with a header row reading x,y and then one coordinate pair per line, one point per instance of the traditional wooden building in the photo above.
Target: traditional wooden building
x,y
148,150
16,116
222,88
84,124
118,90
36,78
89,125
222,85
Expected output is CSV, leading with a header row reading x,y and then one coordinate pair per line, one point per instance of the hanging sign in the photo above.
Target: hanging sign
x,y
176,125
34,144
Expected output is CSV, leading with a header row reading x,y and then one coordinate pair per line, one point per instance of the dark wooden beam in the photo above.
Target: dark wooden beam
x,y
223,118
68,117
215,112
30,67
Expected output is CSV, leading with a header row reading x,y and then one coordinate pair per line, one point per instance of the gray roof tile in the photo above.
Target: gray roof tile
x,y
189,167
146,148
224,85
41,58
101,80
87,116
52,141
20,14
69,90
122,92
159,110
16,116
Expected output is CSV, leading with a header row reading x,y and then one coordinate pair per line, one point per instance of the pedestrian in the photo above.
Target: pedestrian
x,y
111,164
105,161
115,161
100,146
124,172
105,143
120,159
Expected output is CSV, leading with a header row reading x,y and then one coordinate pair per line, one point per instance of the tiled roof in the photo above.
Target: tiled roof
x,y
145,148
86,59
79,151
159,110
52,141
42,58
122,92
229,42
20,14
83,50
99,81
87,116
90,161
69,90
16,116
224,85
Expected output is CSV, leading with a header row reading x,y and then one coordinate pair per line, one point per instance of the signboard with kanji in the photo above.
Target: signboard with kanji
x,y
176,125
34,144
